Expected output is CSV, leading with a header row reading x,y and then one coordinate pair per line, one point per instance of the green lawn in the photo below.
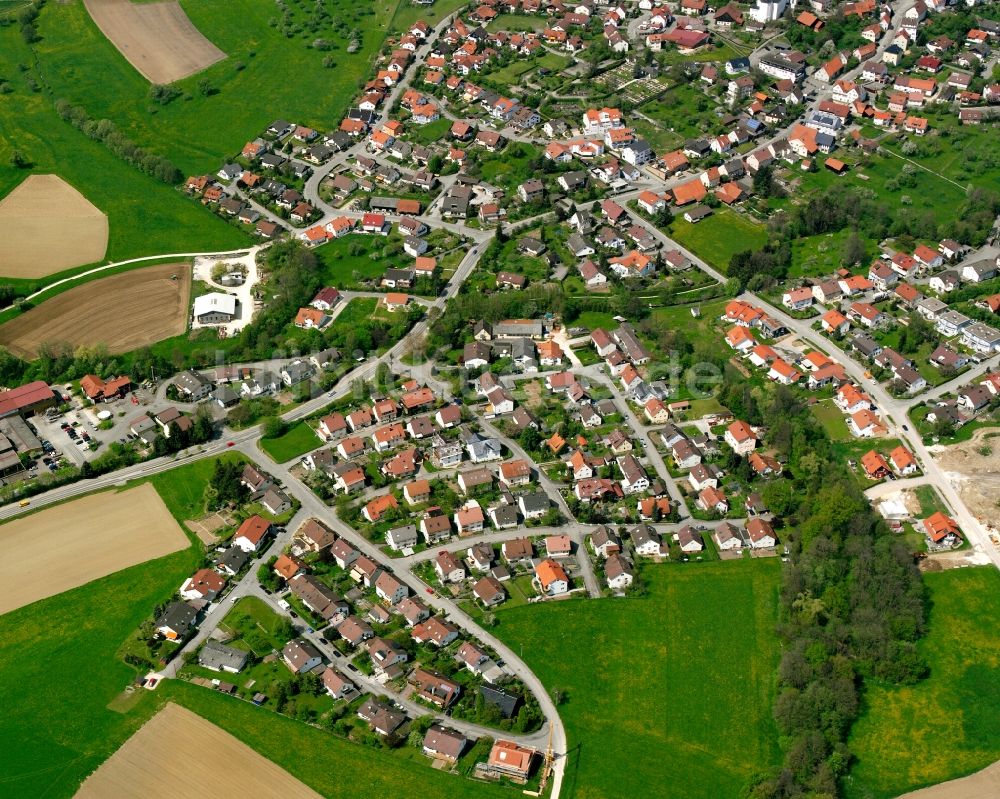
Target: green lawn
x,y
671,689
518,22
511,167
833,421
145,216
61,670
923,192
430,133
183,488
964,156
336,768
357,310
347,261
266,74
298,440
949,724
813,256
719,237
595,319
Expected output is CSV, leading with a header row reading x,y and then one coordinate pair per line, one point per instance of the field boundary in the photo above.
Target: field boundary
x,y
64,284
69,545
158,39
136,308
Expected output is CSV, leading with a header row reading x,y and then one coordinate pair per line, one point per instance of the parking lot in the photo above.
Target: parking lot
x,y
77,434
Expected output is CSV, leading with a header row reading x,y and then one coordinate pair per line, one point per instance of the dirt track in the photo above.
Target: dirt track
x,y
72,544
123,312
983,784
977,476
178,753
157,39
47,226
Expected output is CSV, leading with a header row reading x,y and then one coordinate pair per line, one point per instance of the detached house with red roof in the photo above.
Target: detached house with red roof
x,y
252,533
741,438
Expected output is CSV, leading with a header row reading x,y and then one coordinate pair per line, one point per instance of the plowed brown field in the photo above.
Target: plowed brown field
x,y
123,312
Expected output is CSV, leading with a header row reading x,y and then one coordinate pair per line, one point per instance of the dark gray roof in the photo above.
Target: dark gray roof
x,y
178,616
218,656
505,702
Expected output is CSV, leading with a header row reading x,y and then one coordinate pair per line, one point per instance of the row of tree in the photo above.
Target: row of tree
x,y
106,132
852,604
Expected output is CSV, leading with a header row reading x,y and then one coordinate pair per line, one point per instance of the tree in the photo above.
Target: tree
x,y
206,88
854,249
763,182
19,160
284,630
944,427
203,427
274,427
227,484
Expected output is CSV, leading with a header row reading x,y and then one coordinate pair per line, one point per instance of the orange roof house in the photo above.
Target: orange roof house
x,y
875,466
729,193
310,318
549,572
691,192
939,527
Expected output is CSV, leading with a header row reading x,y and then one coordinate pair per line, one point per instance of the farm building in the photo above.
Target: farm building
x,y
214,309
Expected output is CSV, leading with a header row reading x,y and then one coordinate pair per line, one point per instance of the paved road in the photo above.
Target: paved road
x,y
894,413
888,487
652,453
312,506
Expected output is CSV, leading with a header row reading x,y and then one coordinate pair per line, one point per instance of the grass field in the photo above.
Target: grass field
x,y
178,750
156,38
832,420
813,256
877,174
949,724
671,689
298,440
183,488
347,261
144,216
518,22
266,74
335,768
719,237
515,70
61,671
123,312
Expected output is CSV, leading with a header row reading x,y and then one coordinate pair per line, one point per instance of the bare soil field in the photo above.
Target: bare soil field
x,y
123,312
47,226
974,467
72,544
157,39
177,753
983,784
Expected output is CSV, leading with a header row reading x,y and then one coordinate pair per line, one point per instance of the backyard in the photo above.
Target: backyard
x,y
297,440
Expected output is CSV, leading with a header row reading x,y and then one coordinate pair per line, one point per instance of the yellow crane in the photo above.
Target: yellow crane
x,y
547,764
